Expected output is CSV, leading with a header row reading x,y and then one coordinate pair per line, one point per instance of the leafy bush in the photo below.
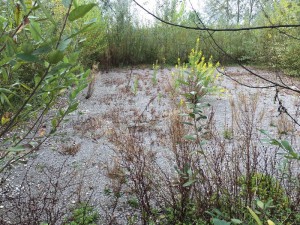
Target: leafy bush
x,y
265,188
93,42
38,64
197,77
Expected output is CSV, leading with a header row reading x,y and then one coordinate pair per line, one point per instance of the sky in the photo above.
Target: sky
x,y
151,6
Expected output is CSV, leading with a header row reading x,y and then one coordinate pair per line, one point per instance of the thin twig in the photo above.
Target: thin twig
x,y
217,29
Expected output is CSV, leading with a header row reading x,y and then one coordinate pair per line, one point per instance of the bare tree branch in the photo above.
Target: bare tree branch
x,y
217,29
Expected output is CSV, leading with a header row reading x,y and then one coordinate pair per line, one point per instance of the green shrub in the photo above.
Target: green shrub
x,y
265,188
83,214
197,77
38,64
93,44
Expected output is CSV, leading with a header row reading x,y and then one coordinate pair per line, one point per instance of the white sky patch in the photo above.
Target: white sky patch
x,y
150,5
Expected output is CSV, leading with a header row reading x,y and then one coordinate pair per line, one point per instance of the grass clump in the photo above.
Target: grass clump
x,y
83,214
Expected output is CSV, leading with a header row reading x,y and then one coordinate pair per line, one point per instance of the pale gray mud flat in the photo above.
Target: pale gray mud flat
x,y
77,160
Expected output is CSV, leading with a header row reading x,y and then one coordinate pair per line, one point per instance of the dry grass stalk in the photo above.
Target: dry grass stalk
x,y
92,81
71,149
284,125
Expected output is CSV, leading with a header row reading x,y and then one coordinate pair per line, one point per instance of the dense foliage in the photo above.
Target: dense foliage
x,y
38,64
130,40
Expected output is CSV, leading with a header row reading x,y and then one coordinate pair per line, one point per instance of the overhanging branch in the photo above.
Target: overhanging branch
x,y
217,29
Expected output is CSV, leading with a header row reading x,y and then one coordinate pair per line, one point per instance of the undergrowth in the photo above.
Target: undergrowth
x,y
197,177
192,171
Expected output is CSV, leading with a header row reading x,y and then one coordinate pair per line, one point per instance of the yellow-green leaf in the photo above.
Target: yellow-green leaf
x,y
55,57
35,30
28,4
18,14
27,48
270,222
255,217
5,118
80,11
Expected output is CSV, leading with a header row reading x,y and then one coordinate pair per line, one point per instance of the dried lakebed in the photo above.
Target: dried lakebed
x,y
78,164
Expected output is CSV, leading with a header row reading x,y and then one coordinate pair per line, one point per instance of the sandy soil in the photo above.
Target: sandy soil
x,y
82,149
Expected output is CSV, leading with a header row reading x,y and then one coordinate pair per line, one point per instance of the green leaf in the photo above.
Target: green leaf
x,y
64,44
218,212
187,123
220,222
28,4
80,11
75,3
275,142
45,47
86,73
35,31
26,87
192,115
54,122
5,99
27,57
2,20
204,142
269,204
10,47
17,14
73,107
183,114
60,67
4,90
203,117
182,82
81,31
18,148
270,222
61,112
92,21
190,137
265,140
27,48
55,57
236,221
37,79
189,183
4,74
265,132
255,217
5,61
2,100
189,172
287,146
260,204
